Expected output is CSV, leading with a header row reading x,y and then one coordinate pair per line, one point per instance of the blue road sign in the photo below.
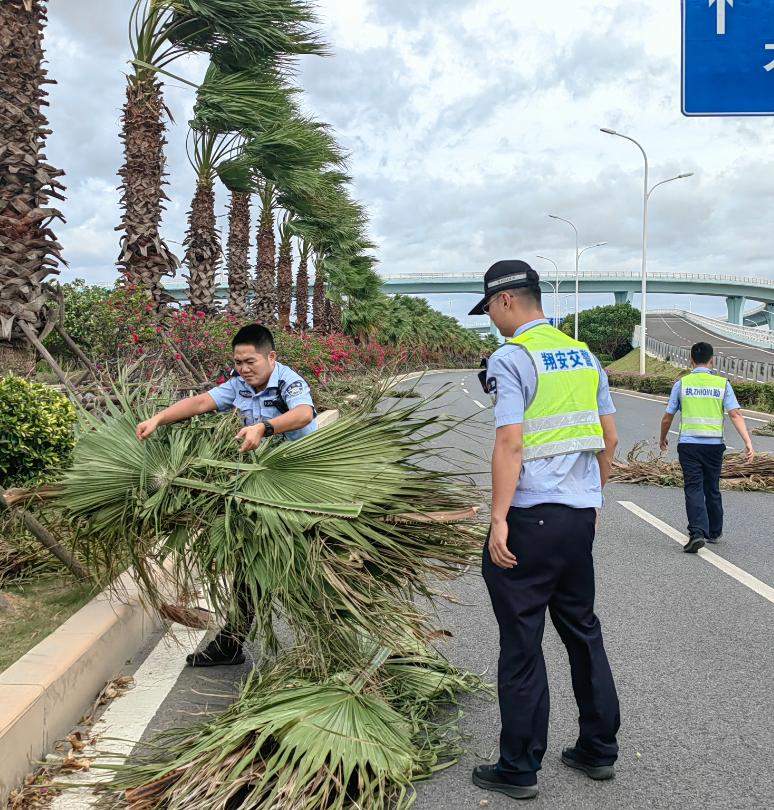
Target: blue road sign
x,y
728,57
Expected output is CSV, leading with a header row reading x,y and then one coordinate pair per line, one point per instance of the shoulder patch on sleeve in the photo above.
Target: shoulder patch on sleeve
x,y
294,389
491,388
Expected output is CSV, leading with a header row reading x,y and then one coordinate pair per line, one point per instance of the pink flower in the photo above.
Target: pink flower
x,y
221,380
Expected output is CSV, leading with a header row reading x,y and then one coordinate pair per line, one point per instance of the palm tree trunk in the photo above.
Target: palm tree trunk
x,y
285,283
202,243
144,258
327,319
318,299
238,254
29,251
265,280
302,294
335,322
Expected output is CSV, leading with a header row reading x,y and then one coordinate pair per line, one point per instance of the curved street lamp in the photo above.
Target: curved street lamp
x,y
578,254
645,197
556,285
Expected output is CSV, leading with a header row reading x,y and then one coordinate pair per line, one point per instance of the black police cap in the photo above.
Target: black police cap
x,y
505,275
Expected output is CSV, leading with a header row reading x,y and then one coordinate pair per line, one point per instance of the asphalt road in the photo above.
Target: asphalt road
x,y
690,647
679,332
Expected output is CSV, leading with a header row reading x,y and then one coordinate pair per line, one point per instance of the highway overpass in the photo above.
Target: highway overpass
x,y
737,290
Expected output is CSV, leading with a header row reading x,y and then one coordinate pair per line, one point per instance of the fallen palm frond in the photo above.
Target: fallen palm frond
x,y
335,525
766,430
339,532
644,466
357,739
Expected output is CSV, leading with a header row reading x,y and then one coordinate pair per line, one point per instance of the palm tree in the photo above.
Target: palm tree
x,y
202,241
238,259
265,276
235,34
144,257
302,286
318,295
29,251
285,271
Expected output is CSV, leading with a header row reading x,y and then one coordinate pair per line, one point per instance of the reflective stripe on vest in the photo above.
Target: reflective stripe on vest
x,y
563,417
701,402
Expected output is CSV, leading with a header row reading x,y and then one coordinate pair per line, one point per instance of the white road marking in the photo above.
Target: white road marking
x,y
466,391
739,574
479,404
712,335
125,720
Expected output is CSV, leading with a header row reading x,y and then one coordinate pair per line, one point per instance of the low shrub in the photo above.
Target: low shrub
x,y
36,431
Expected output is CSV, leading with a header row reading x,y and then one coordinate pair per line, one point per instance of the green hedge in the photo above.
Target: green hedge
x,y
755,396
36,431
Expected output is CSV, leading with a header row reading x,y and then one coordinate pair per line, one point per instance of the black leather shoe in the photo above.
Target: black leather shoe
x,y
573,758
487,777
694,544
222,651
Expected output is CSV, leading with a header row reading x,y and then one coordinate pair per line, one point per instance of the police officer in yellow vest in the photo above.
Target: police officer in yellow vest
x,y
554,444
702,396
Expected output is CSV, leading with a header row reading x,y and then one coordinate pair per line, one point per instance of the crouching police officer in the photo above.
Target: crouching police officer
x,y
273,401
554,445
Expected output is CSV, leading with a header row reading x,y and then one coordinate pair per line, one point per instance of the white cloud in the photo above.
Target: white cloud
x,y
468,121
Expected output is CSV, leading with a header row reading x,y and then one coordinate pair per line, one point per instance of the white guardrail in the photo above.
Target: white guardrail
x,y
604,275
735,368
749,335
564,275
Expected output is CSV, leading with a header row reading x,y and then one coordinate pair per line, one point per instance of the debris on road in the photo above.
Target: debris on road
x,y
643,466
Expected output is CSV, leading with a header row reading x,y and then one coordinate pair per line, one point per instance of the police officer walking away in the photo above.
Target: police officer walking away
x,y
273,401
554,445
703,396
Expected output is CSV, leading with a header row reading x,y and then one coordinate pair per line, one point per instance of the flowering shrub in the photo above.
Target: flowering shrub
x,y
204,340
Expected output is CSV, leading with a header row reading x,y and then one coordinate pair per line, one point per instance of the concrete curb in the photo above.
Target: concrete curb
x,y
48,690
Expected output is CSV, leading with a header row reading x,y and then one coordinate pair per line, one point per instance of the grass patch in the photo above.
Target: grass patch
x,y
37,609
630,364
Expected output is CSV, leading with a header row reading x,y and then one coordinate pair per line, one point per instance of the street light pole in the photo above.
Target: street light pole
x,y
645,197
556,287
577,259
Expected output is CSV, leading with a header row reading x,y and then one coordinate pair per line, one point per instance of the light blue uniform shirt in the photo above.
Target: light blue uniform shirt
x,y
730,403
572,479
253,406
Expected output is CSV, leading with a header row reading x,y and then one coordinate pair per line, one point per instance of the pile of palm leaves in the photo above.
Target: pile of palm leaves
x,y
312,528
766,430
643,466
339,533
357,739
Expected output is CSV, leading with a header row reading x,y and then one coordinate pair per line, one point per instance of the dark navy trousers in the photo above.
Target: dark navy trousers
x,y
701,465
553,546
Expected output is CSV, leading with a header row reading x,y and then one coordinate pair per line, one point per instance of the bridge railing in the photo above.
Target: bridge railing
x,y
735,368
602,275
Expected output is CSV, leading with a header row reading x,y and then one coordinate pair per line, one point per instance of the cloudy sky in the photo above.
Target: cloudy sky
x,y
467,122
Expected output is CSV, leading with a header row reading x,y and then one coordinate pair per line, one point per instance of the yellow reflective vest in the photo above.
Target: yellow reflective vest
x,y
564,416
701,403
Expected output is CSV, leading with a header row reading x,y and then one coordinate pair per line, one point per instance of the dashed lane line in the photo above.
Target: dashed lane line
x,y
739,574
479,404
125,720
